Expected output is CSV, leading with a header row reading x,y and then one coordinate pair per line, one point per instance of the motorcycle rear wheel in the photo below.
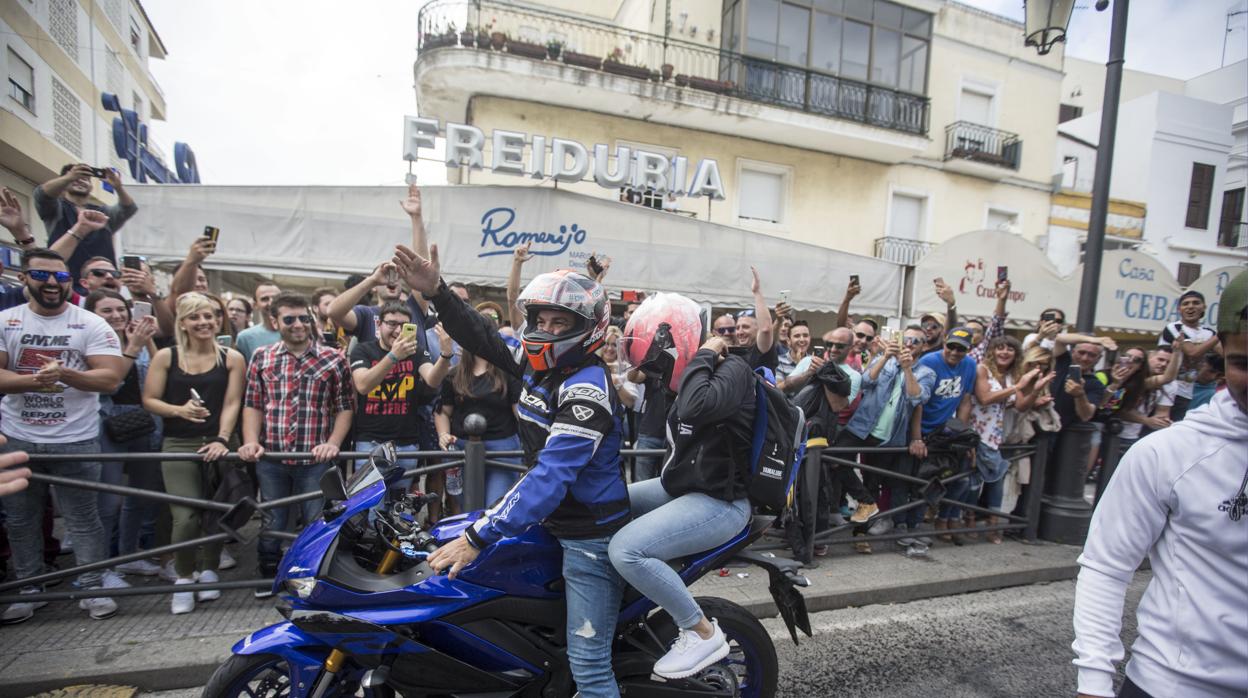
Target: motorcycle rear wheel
x,y
752,655
268,676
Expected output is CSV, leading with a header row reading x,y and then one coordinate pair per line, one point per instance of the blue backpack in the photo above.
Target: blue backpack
x,y
777,448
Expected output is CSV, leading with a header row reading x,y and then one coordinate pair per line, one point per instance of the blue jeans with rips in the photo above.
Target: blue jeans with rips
x,y
665,528
593,591
278,480
24,511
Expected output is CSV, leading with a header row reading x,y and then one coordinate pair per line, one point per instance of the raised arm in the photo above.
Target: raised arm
x,y
341,309
518,257
420,240
184,280
53,188
945,292
762,315
851,292
1171,372
11,218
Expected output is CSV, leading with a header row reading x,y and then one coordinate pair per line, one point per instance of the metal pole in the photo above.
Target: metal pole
x,y
474,463
1035,488
1104,168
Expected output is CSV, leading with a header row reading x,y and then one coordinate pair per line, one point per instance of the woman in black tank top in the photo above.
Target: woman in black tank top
x,y
197,387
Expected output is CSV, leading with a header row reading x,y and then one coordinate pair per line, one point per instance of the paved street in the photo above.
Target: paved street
x,y
1007,642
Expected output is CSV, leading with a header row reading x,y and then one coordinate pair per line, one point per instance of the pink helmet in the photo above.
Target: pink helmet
x,y
573,292
662,335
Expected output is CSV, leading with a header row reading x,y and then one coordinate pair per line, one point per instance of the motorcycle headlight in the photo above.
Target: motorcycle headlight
x,y
300,586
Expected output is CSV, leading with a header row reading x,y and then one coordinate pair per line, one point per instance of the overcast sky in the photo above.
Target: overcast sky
x,y
314,91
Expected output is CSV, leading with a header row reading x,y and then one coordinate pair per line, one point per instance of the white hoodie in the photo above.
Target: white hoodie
x,y
1163,501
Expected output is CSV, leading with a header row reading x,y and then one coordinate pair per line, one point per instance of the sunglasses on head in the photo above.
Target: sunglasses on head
x,y
105,272
864,335
289,320
745,313
62,277
725,331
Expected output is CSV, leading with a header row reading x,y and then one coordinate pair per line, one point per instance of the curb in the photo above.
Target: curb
x,y
189,662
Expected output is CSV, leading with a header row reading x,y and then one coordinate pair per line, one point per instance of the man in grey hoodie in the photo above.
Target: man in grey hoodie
x,y
1178,497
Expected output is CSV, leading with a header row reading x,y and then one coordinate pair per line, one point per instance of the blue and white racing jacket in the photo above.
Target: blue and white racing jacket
x,y
571,428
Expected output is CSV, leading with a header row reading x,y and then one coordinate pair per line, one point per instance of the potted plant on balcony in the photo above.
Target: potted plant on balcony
x,y
582,60
666,71
526,49
498,40
717,86
553,48
614,63
447,37
467,36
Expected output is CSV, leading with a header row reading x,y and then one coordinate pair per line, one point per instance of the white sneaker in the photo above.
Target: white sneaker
x,y
208,577
100,607
691,654
168,573
227,561
142,568
112,580
183,601
880,527
20,612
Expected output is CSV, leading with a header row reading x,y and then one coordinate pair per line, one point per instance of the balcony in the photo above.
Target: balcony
x,y
576,61
981,151
1233,233
902,250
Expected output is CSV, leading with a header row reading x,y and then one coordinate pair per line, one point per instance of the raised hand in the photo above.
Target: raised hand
x,y
113,179
422,275
139,333
90,220
944,291
1003,289
10,210
756,286
853,289
411,205
139,281
201,249
784,310
520,255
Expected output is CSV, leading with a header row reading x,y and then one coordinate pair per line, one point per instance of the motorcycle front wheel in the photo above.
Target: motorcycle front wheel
x,y
751,657
268,676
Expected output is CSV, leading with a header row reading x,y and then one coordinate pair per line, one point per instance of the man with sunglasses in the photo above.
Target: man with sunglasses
x,y
99,273
55,360
300,398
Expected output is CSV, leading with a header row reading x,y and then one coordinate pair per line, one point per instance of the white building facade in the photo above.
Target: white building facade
x,y
60,58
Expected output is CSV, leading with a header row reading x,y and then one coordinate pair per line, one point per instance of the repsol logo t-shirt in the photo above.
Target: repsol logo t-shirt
x,y
57,413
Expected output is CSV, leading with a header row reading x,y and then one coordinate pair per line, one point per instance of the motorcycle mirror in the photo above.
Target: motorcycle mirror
x,y
332,487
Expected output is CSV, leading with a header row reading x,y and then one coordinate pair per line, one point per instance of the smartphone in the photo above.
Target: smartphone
x,y
212,232
224,340
99,172
784,296
818,350
1074,373
329,337
1003,274
392,277
594,266
886,334
132,261
853,280
140,310
408,332
1048,317
195,398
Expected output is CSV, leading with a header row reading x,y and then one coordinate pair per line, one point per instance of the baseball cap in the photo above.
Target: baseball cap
x,y
938,320
1192,294
1233,306
960,336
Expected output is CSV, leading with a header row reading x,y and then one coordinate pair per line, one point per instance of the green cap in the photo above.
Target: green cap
x,y
1233,306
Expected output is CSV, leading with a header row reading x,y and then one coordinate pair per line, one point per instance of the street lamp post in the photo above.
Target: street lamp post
x,y
1064,514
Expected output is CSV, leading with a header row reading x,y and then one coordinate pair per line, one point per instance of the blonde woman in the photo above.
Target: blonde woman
x,y
197,387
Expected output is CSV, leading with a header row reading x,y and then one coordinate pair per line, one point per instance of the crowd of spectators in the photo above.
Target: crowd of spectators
x,y
96,360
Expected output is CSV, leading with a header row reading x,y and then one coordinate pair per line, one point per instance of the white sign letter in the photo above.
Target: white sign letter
x,y
650,172
602,166
464,141
680,175
706,181
508,152
418,133
560,149
537,157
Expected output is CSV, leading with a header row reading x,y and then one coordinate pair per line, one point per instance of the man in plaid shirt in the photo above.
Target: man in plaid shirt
x,y
299,398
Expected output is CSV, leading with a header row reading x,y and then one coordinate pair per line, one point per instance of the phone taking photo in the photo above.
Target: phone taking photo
x,y
140,310
1048,317
595,267
853,280
212,232
408,332
1074,373
132,261
1003,274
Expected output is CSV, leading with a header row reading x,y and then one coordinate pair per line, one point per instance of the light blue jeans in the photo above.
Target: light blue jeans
x,y
665,528
278,481
593,591
647,467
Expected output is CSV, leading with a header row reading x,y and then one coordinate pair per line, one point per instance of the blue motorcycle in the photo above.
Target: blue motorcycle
x,y
365,615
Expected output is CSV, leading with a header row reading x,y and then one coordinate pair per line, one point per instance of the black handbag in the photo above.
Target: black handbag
x,y
129,425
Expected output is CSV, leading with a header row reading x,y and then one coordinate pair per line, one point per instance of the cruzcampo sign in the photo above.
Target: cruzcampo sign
x,y
564,160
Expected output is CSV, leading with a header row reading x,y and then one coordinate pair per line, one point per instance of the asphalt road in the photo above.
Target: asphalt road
x,y
1007,642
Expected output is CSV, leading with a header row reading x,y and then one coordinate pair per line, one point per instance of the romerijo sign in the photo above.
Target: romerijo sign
x,y
569,161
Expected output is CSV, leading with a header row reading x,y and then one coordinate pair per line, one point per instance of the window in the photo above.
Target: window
x,y
1001,220
867,40
137,101
21,81
975,106
1188,273
761,195
136,37
1068,112
906,216
1231,232
1070,171
1200,196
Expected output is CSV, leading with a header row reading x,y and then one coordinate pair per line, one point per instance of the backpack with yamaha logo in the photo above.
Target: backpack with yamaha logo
x,y
777,448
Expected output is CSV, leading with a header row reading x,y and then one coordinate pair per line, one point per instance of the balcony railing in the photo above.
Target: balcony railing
x,y
548,35
1232,233
967,141
902,250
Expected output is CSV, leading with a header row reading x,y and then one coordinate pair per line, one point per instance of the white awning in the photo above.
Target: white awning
x,y
340,230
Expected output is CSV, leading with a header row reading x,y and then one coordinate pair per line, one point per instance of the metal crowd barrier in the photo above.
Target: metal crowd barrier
x,y
474,460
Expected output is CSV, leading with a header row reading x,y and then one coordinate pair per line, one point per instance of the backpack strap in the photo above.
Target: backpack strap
x,y
760,419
